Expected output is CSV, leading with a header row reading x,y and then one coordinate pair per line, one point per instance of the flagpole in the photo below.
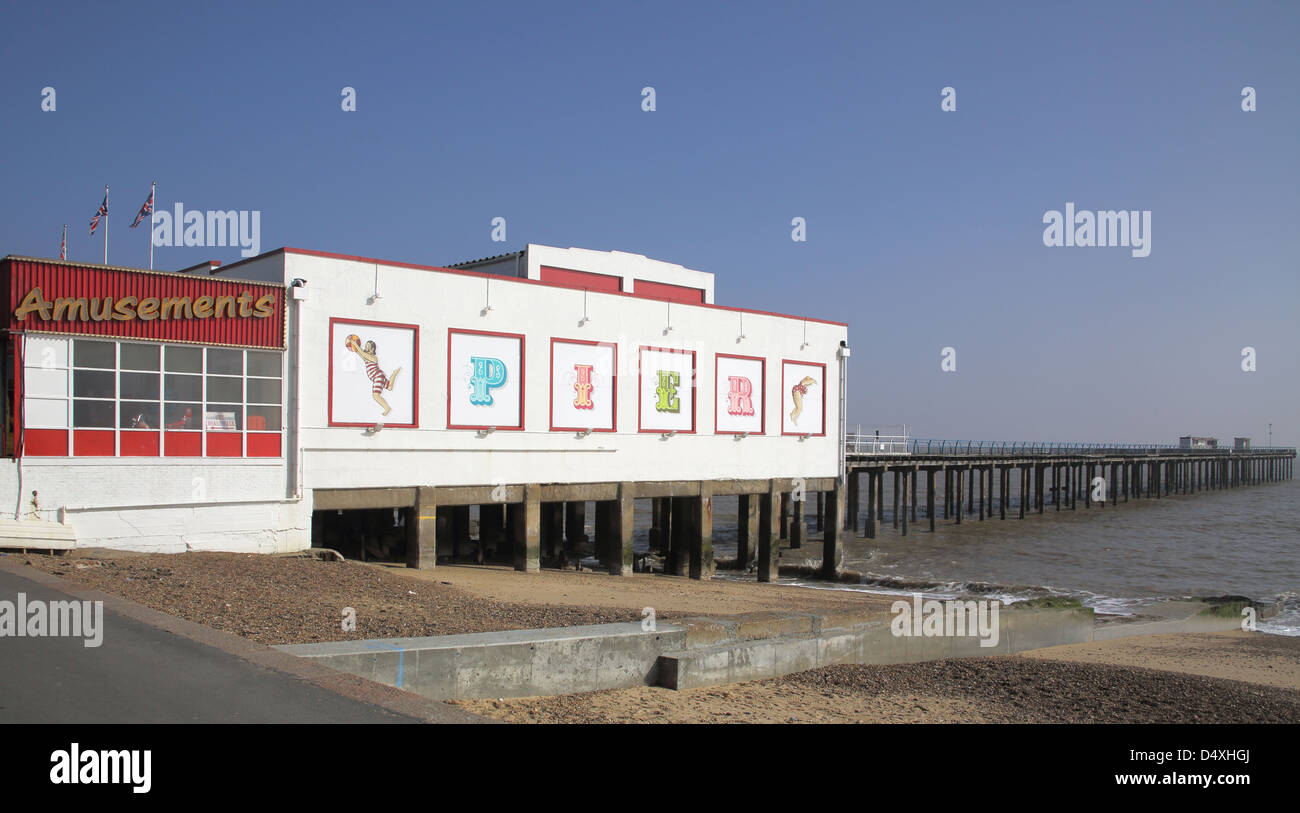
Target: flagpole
x,y
105,224
153,204
63,247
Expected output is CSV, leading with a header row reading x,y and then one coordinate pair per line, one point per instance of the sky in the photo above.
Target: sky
x,y
924,226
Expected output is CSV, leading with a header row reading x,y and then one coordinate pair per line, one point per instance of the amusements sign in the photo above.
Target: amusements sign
x,y
666,401
583,386
739,391
803,398
59,297
374,373
485,380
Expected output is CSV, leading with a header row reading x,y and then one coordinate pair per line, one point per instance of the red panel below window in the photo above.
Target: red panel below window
x,y
225,444
673,293
45,442
136,443
92,443
264,445
183,444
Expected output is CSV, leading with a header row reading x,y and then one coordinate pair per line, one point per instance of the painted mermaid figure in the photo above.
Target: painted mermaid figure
x,y
379,382
797,392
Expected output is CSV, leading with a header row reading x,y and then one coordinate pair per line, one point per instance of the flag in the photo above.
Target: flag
x,y
103,212
63,247
145,210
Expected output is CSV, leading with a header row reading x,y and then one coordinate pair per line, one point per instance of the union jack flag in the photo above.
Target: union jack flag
x,y
145,211
103,212
63,247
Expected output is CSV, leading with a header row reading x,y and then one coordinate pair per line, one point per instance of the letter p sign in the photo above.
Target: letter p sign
x,y
489,374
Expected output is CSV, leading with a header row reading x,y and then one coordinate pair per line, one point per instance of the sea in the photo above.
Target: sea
x,y
1117,559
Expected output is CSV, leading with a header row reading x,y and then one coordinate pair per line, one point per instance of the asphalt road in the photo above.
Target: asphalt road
x,y
144,674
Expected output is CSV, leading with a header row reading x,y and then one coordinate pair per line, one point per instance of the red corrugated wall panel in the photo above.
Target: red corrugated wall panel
x,y
96,283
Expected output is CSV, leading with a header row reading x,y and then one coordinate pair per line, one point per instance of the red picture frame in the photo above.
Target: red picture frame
x,y
415,374
551,389
523,380
820,434
717,393
640,383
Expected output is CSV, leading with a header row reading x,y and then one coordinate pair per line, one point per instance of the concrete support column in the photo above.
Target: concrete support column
x,y
852,511
422,534
679,557
873,520
747,532
960,473
1002,493
785,516
702,565
970,491
831,532
912,474
798,526
769,538
897,492
1024,488
526,526
821,512
618,557
929,497
880,499
980,473
947,493
907,480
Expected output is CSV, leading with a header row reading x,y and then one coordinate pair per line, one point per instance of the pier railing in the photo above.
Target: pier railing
x,y
864,444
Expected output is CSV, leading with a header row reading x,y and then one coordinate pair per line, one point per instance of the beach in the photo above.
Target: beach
x,y
1203,677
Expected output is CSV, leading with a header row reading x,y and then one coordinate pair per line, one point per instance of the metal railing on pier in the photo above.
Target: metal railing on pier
x,y
874,444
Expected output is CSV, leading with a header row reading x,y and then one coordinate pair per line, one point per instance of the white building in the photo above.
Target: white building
x,y
534,380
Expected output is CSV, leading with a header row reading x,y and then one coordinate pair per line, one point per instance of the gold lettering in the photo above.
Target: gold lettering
x,y
177,305
203,307
245,299
34,301
124,310
265,306
104,314
148,310
228,303
65,307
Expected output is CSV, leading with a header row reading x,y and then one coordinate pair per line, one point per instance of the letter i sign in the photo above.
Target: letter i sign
x,y
582,386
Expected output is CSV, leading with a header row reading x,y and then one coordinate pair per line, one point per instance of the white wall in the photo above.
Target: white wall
x,y
431,455
160,505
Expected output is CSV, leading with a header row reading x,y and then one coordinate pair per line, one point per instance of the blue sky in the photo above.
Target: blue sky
x,y
924,227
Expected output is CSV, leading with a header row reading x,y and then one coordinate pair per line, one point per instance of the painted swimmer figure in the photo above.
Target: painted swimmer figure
x,y
378,380
797,392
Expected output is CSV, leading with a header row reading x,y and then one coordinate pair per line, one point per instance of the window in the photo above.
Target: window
x,y
89,396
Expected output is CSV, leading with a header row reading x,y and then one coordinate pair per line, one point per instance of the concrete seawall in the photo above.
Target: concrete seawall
x,y
690,653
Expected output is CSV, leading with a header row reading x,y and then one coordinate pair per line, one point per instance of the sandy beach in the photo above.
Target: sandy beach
x,y
1204,677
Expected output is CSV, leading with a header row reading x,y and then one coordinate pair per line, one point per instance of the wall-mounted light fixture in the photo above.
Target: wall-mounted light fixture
x,y
486,431
487,297
584,432
667,435
742,436
585,318
742,329
375,430
374,297
669,327
805,436
805,335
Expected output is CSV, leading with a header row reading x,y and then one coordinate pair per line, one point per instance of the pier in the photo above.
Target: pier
x,y
973,480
